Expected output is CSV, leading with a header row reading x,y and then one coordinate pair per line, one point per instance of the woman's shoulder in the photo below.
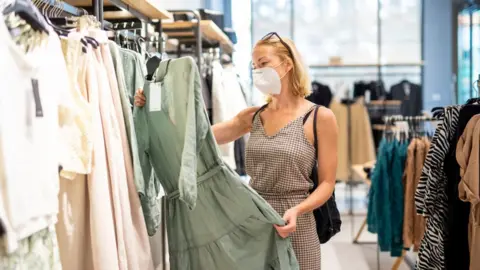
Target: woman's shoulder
x,y
325,118
323,113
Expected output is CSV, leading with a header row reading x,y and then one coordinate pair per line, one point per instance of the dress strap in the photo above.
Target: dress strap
x,y
307,114
259,111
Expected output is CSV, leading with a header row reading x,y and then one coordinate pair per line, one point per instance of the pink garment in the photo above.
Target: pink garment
x,y
102,225
113,146
134,228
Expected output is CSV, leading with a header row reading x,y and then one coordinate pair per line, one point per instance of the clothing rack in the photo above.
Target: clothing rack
x,y
65,8
196,34
413,125
137,11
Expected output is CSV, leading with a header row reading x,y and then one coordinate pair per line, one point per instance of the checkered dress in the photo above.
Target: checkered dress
x,y
280,168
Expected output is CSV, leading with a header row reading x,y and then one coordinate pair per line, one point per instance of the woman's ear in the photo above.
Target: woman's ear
x,y
289,65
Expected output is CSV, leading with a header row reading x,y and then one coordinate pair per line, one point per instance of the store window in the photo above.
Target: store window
x,y
400,31
271,16
336,28
468,54
344,31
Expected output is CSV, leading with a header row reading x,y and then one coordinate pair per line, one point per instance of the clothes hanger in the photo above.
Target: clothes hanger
x,y
52,12
476,100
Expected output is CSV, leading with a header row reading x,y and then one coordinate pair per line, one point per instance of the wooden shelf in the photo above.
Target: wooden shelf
x,y
366,65
385,102
210,31
150,8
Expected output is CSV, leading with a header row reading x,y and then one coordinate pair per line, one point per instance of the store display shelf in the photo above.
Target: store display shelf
x,y
366,65
184,31
149,8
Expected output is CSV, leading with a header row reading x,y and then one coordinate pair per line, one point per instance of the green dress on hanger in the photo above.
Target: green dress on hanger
x,y
214,221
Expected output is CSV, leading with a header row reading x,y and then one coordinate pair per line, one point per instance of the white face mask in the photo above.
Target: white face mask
x,y
267,81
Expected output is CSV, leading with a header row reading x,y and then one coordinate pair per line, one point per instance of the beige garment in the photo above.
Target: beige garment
x,y
134,228
77,159
362,146
102,224
413,224
468,158
72,227
409,194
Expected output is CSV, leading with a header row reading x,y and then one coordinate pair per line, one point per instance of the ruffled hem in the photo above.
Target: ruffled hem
x,y
251,245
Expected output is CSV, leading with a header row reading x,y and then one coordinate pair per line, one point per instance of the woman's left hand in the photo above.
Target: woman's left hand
x,y
290,218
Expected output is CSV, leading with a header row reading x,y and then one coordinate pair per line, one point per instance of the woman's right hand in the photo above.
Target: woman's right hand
x,y
140,98
245,118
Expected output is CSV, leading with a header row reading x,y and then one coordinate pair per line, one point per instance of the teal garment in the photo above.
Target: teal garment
x,y
397,197
379,220
128,116
135,71
385,207
214,220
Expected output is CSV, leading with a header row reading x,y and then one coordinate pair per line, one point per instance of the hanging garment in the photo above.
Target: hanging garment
x,y
214,220
227,102
468,157
362,146
413,224
135,234
385,207
72,228
128,115
409,189
321,94
222,111
103,241
135,68
375,88
411,96
115,157
419,220
397,197
280,166
457,255
159,241
38,251
431,199
32,146
77,135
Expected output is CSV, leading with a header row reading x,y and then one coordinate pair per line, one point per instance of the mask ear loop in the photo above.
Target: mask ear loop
x,y
281,77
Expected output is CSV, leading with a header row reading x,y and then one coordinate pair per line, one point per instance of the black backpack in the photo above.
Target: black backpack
x,y
327,216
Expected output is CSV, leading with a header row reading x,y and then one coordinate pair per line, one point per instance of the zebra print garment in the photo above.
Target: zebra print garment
x,y
431,197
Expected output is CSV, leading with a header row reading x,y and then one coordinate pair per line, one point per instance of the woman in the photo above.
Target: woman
x,y
280,154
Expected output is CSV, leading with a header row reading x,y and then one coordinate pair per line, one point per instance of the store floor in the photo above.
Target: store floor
x,y
340,253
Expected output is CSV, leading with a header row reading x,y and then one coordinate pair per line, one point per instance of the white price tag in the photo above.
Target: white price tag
x,y
155,98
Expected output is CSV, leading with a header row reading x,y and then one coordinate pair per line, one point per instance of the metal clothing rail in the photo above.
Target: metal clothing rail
x,y
62,6
374,65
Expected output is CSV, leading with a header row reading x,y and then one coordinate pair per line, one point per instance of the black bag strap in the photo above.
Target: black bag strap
x,y
315,180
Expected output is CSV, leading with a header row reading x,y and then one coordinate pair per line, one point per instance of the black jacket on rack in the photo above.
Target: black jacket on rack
x,y
411,96
321,94
376,89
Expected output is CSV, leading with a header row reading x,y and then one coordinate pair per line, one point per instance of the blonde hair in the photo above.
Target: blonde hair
x,y
300,84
